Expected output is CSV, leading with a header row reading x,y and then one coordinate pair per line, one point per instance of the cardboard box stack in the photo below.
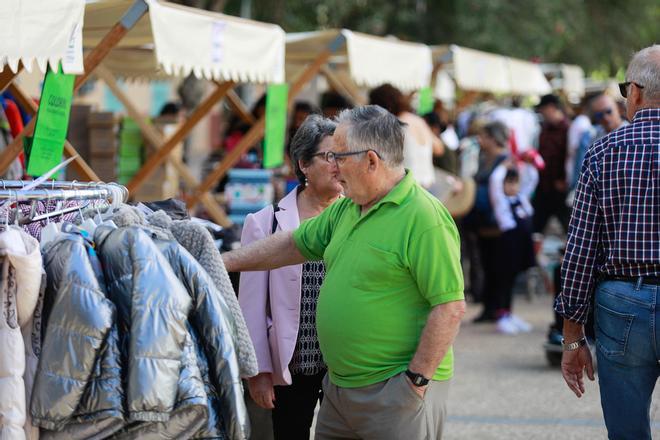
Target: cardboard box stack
x,y
103,144
164,182
78,136
131,150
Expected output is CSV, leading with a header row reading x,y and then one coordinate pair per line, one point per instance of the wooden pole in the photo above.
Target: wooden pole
x,y
7,76
155,139
136,11
337,84
257,131
345,79
30,107
468,99
239,108
159,156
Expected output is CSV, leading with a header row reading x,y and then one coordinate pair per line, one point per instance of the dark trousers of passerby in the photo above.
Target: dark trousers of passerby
x,y
515,254
294,406
472,267
548,204
489,255
627,343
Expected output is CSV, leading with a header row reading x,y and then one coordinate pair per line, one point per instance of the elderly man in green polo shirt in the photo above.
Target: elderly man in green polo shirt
x,y
392,300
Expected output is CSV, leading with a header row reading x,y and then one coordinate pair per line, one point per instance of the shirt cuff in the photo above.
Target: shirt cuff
x,y
574,312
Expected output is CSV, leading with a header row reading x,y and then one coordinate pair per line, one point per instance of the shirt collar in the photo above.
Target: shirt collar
x,y
399,192
646,114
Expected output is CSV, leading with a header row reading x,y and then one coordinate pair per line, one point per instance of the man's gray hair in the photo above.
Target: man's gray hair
x,y
644,69
371,127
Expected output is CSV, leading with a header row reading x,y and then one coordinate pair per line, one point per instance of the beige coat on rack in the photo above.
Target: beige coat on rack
x,y
20,282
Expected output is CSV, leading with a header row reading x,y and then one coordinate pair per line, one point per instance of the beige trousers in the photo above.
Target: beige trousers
x,y
388,410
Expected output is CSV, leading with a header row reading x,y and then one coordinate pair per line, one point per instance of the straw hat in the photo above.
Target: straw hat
x,y
458,203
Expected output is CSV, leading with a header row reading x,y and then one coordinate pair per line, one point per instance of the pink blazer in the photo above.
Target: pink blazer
x,y
274,337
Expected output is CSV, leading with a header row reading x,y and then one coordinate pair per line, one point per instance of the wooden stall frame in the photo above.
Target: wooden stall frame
x,y
239,107
256,132
166,148
7,76
155,139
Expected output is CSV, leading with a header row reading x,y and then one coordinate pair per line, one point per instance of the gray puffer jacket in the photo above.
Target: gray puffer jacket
x,y
152,310
212,332
77,386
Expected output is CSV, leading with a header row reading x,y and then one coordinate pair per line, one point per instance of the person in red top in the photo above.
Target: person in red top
x,y
550,199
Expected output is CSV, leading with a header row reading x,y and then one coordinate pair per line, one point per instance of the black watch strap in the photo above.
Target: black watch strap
x,y
417,379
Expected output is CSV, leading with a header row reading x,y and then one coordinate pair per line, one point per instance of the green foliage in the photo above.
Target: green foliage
x,y
599,35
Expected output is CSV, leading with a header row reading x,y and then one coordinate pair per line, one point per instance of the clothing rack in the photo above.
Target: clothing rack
x,y
20,191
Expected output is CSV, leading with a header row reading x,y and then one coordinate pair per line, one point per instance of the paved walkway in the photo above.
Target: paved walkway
x,y
505,389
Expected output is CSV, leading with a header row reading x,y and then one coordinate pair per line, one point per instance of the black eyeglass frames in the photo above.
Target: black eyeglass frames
x,y
623,87
332,157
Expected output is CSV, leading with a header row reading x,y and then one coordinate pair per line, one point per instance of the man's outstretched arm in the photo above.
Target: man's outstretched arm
x,y
272,252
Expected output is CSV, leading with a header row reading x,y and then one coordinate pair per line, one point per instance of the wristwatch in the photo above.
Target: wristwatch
x,y
417,379
573,345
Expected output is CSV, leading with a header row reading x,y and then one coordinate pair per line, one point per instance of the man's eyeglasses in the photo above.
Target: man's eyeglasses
x,y
337,158
623,87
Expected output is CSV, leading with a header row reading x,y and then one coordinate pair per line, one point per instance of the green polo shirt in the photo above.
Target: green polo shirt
x,y
385,270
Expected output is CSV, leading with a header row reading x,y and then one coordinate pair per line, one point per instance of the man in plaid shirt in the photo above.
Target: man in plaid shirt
x,y
613,250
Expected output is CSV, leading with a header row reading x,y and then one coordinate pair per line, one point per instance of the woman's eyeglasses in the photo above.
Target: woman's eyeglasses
x,y
337,158
623,87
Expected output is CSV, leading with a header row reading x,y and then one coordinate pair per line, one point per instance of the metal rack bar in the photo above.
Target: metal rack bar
x,y
60,190
57,194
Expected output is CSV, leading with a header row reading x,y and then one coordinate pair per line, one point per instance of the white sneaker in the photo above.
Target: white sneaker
x,y
506,326
521,324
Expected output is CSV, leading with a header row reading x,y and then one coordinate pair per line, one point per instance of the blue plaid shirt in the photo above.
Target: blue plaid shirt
x,y
615,226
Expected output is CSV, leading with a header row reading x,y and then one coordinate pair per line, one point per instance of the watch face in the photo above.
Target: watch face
x,y
417,379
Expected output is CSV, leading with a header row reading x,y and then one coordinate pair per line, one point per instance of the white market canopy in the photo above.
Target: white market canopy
x,y
178,40
371,61
486,72
572,79
45,31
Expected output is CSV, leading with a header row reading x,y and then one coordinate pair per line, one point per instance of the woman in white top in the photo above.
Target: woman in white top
x,y
420,144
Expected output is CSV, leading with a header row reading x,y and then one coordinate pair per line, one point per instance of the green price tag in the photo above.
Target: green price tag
x,y
52,122
425,101
276,106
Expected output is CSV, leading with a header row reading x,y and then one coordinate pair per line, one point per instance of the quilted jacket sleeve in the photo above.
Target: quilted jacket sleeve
x,y
78,317
209,317
153,308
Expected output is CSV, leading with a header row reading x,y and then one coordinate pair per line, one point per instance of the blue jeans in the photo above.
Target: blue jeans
x,y
628,364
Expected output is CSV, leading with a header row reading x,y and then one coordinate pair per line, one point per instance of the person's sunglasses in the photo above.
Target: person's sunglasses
x,y
623,87
598,116
334,158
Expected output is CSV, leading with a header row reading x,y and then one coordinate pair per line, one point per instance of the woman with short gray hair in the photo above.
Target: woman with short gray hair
x,y
280,305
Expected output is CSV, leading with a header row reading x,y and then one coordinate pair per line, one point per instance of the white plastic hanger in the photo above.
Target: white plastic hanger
x,y
87,224
50,231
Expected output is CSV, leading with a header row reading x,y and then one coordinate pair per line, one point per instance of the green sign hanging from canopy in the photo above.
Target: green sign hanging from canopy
x,y
276,107
425,101
52,122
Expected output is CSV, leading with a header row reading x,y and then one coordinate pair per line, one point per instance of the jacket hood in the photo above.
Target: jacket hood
x,y
24,254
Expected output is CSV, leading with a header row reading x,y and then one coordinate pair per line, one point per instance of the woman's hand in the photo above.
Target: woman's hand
x,y
261,390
